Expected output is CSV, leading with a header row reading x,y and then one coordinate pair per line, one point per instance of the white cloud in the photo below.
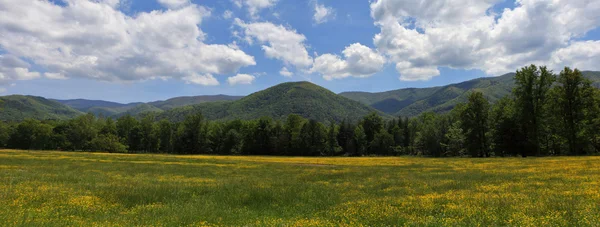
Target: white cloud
x,y
584,55
106,44
422,35
174,4
2,90
285,72
206,80
227,14
284,44
254,6
240,79
55,76
322,13
13,68
359,61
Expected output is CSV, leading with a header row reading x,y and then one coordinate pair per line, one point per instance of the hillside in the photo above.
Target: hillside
x,y
413,101
302,98
114,109
20,107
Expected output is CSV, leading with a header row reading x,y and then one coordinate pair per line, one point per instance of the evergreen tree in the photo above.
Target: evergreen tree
x,y
531,90
474,119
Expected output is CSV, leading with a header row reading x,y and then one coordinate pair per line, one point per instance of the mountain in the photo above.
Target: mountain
x,y
114,109
192,100
302,98
414,101
20,107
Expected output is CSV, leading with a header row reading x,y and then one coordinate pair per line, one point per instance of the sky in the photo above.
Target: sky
x,y
147,50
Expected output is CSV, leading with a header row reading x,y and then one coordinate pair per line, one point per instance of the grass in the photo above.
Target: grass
x,y
45,188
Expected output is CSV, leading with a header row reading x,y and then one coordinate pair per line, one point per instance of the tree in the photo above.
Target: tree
x,y
333,147
313,139
531,89
474,118
345,138
574,102
150,141
360,140
506,133
109,127
81,131
5,132
107,143
165,134
430,135
383,144
372,124
292,128
456,139
125,126
31,134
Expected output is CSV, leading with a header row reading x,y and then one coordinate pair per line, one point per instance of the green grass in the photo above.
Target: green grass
x,y
45,188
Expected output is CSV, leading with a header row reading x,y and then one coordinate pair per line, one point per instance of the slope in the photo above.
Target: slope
x,y
302,98
20,107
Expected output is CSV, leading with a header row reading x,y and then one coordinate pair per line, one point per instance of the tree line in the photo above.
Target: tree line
x,y
546,114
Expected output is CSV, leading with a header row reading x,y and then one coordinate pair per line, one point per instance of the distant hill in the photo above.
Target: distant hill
x,y
114,109
192,100
20,107
302,98
414,101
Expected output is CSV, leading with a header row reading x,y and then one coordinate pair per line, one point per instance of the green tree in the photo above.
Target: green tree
x,y
333,147
475,119
574,102
292,128
149,141
383,144
313,139
107,143
166,136
31,134
360,141
372,124
5,132
125,128
455,140
81,131
506,133
531,91
345,138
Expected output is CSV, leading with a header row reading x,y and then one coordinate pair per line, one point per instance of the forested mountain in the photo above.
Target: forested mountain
x,y
303,98
191,100
414,101
19,107
113,109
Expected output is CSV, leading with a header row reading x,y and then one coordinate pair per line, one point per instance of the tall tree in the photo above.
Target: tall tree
x,y
372,124
531,91
333,147
313,139
474,120
574,101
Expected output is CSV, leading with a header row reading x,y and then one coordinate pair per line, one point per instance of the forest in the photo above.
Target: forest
x,y
547,114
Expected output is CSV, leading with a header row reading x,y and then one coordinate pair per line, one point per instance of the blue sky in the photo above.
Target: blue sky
x,y
354,46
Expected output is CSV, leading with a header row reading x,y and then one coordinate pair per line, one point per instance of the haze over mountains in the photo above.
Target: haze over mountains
x,y
303,98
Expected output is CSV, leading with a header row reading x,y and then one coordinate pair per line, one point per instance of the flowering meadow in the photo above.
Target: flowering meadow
x,y
50,188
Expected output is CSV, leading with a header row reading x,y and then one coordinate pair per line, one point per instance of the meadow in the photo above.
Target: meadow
x,y
50,188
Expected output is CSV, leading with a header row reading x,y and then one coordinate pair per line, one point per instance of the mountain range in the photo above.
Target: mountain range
x,y
303,98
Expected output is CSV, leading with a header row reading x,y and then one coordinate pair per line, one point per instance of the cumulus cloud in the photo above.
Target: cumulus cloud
x,y
359,61
55,76
421,35
322,13
240,79
285,72
255,6
281,43
584,55
206,80
13,68
174,4
105,44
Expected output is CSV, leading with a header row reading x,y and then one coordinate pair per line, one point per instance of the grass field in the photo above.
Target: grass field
x,y
96,189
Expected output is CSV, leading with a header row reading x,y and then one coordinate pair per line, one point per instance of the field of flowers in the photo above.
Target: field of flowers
x,y
45,188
